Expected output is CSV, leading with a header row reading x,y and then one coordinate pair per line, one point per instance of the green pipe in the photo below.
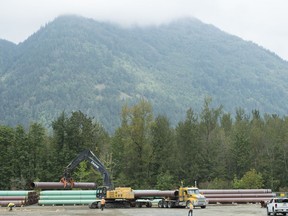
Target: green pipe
x,y
66,197
64,202
14,193
68,192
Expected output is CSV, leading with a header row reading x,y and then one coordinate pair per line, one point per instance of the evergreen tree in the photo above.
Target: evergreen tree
x,y
163,159
7,139
136,126
189,149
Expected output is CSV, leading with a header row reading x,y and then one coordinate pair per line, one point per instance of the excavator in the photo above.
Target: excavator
x,y
118,197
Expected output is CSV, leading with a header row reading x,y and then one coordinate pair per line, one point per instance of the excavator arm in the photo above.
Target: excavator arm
x,y
89,156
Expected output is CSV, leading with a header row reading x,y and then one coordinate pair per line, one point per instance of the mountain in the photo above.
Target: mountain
x,y
74,63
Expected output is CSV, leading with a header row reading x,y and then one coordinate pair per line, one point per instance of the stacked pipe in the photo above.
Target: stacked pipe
x,y
19,198
238,196
67,197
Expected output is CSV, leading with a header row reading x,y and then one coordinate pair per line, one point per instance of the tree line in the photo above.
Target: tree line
x,y
210,148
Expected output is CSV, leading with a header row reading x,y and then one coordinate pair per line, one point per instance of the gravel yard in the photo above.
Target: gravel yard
x,y
215,210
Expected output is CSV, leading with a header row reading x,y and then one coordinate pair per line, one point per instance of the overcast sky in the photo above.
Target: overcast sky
x,y
264,22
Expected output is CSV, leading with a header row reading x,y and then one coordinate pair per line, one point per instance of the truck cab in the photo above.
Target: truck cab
x,y
192,195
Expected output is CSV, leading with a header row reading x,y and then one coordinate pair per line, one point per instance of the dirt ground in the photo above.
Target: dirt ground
x,y
215,210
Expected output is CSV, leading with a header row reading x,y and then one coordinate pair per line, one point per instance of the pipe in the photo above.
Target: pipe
x,y
67,197
60,185
238,200
15,193
65,202
231,191
16,203
155,193
239,195
67,192
13,198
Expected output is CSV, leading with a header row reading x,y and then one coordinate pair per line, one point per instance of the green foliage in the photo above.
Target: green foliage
x,y
251,180
162,144
145,152
216,183
81,173
134,137
6,143
165,181
188,144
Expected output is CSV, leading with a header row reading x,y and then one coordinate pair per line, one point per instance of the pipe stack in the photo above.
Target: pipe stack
x,y
238,196
19,198
67,197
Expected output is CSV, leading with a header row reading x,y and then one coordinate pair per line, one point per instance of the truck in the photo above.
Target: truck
x,y
183,197
277,205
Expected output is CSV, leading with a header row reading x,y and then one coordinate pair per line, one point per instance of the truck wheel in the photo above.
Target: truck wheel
x,y
165,204
148,204
170,204
160,204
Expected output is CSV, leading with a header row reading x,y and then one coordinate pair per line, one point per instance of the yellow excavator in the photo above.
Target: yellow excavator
x,y
118,197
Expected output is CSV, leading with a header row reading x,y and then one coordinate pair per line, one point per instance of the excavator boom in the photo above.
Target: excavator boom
x,y
89,156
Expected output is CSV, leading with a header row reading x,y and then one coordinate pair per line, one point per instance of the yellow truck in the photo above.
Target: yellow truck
x,y
183,197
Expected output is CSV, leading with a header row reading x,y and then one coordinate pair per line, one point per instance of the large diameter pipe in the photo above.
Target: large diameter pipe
x,y
67,192
60,185
13,198
65,202
67,197
155,193
238,200
15,193
16,202
239,195
233,191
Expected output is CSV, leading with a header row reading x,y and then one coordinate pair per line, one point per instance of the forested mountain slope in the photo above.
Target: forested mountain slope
x,y
74,63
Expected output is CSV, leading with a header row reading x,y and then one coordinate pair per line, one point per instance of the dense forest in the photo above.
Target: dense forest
x,y
74,63
210,147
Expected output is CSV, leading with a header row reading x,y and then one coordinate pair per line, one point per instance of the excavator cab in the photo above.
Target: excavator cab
x,y
101,192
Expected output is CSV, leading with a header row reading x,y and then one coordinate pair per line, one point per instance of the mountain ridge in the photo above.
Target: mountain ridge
x,y
75,63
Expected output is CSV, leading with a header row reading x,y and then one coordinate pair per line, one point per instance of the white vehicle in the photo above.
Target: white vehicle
x,y
277,205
